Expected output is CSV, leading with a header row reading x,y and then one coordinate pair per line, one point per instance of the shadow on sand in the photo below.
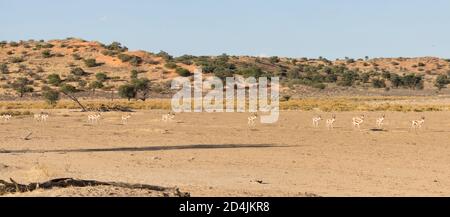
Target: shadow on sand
x,y
137,149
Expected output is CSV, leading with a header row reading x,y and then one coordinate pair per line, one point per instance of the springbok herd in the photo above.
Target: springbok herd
x,y
357,121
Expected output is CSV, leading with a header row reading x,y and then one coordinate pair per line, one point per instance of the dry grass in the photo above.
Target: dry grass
x,y
334,104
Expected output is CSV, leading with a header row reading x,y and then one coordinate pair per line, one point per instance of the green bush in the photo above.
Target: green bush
x,y
46,54
378,83
441,81
21,86
171,65
91,63
54,79
183,72
51,96
101,77
127,91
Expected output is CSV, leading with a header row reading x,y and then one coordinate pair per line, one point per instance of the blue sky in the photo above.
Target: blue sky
x,y
293,28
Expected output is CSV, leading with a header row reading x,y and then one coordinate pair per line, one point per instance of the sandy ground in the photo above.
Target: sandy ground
x,y
218,155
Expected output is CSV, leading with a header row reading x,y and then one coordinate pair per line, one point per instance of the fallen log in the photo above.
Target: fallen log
x,y
14,187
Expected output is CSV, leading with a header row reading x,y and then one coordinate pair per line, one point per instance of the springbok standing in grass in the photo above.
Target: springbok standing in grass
x,y
94,118
44,117
357,121
316,121
41,117
330,122
380,121
417,124
251,120
168,117
125,118
6,117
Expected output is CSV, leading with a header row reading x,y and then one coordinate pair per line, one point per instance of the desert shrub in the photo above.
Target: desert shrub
x,y
16,59
46,54
386,75
91,63
51,96
164,55
134,74
82,83
378,83
441,81
76,56
95,85
413,81
274,59
78,71
365,77
101,77
348,78
421,64
170,65
13,44
109,52
319,85
124,57
135,61
183,72
3,44
186,59
4,68
127,91
116,46
54,79
396,80
21,86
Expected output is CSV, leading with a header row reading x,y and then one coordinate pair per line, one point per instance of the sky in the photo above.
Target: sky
x,y
285,28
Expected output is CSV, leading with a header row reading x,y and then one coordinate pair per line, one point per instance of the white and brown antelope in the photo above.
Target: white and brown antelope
x,y
168,117
357,121
251,119
125,118
380,121
330,122
6,117
316,121
41,117
417,124
93,119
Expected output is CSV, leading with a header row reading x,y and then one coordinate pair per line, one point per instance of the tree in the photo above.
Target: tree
x,y
142,87
95,85
51,96
378,83
101,77
396,80
127,91
274,59
70,92
54,79
441,81
21,86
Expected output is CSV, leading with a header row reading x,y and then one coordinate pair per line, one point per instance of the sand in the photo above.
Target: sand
x,y
218,155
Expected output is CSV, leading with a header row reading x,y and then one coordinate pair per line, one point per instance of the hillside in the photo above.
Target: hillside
x,y
96,69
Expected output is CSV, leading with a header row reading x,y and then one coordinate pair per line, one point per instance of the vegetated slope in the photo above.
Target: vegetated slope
x,y
27,67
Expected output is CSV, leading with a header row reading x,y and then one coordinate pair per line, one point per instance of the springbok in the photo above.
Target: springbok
x,y
125,118
168,117
417,124
251,119
380,121
330,122
94,118
357,121
316,121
